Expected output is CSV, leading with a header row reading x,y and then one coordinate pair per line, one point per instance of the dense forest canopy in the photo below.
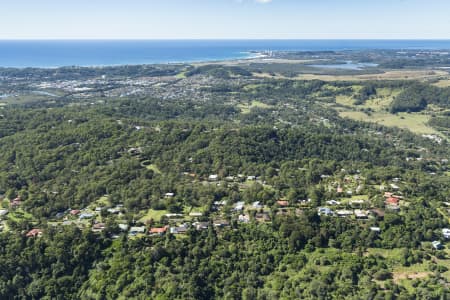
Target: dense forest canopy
x,y
212,182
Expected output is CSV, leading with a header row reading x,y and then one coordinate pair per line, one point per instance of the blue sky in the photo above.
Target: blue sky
x,y
224,19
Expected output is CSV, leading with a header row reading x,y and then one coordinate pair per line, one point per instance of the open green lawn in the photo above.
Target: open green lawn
x,y
382,100
153,214
191,209
345,100
154,168
445,263
181,75
245,109
19,215
103,201
443,83
353,198
414,122
390,254
377,104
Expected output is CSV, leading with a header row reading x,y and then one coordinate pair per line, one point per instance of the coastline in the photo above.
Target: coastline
x,y
55,54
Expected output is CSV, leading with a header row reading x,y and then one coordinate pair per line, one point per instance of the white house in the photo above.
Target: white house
x,y
324,211
213,177
446,233
244,218
239,205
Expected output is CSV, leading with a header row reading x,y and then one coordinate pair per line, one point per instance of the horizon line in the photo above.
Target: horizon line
x,y
225,39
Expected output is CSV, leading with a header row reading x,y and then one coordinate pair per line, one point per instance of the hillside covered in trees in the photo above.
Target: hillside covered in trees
x,y
215,182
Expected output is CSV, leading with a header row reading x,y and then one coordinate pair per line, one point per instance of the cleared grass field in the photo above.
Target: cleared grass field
x,y
416,123
393,255
345,100
104,201
245,109
388,75
153,214
154,168
446,263
381,102
346,200
401,274
442,83
19,215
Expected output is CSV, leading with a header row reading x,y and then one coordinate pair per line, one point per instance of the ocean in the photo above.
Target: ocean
x,y
58,53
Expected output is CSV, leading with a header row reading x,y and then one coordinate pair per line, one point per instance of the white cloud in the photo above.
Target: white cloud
x,y
263,1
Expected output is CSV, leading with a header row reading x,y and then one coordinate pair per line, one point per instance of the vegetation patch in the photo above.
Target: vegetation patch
x,y
154,215
246,108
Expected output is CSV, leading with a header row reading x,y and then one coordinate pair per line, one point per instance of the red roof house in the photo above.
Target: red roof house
x,y
158,230
392,201
75,212
34,233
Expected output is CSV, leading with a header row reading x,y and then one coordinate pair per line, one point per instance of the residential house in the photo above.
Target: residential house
x,y
375,229
333,202
195,214
123,227
213,177
229,178
394,187
98,227
221,223
201,225
86,216
388,194
446,233
114,210
34,233
359,188
392,203
343,213
257,205
158,230
171,216
361,214
244,218
179,229
324,211
437,245
239,206
74,212
137,229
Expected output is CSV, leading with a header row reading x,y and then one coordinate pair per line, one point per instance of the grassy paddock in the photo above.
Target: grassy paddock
x,y
417,123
